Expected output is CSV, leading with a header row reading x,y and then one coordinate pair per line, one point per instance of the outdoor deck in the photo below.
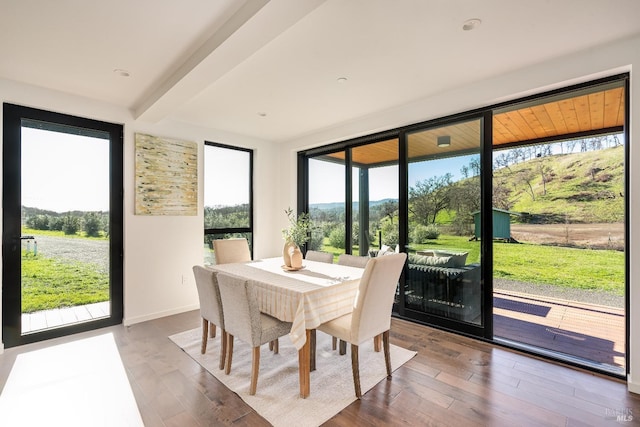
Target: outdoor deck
x,y
586,331
58,317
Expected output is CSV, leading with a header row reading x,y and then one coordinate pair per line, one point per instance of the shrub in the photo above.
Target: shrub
x,y
56,223
421,233
38,222
70,224
390,235
337,237
92,224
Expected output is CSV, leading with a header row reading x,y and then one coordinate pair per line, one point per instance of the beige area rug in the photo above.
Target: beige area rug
x,y
81,383
277,398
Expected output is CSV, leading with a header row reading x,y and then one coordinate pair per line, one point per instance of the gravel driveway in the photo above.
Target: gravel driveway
x,y
84,250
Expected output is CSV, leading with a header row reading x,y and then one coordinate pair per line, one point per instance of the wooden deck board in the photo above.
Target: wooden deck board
x,y
587,331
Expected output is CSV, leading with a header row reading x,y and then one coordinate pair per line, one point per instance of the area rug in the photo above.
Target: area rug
x,y
277,398
80,383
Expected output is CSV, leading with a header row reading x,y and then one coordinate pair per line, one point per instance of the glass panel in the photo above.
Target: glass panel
x,y
443,277
227,196
327,203
376,218
559,261
227,191
65,227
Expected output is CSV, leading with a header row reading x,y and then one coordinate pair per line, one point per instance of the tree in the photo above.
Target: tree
x,y
545,174
92,224
38,222
525,177
429,197
501,194
388,209
70,224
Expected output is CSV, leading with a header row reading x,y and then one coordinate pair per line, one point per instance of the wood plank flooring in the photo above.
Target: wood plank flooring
x,y
453,381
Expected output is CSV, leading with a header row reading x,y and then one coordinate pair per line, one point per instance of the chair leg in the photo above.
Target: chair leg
x,y
212,330
376,343
387,356
334,343
229,358
255,367
276,346
270,345
355,367
343,348
312,343
223,348
205,334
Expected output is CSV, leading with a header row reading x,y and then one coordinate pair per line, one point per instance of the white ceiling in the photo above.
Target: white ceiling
x,y
269,68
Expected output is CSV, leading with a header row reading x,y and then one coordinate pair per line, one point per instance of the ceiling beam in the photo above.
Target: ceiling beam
x,y
250,28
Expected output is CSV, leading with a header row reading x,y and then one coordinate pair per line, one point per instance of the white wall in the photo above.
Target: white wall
x,y
159,250
606,60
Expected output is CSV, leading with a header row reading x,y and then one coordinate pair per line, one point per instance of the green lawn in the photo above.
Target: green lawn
x,y
54,233
49,283
538,264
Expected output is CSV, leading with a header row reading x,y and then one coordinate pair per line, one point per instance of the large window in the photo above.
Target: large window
x,y
228,195
513,216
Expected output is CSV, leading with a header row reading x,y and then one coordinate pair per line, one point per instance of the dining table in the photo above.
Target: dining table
x,y
306,297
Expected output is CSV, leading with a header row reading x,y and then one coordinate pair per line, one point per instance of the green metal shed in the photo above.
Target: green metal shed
x,y
501,224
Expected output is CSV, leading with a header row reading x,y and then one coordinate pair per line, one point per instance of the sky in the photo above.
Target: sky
x,y
326,180
226,176
63,172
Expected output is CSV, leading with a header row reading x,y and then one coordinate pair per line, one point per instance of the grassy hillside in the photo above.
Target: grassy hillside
x,y
576,188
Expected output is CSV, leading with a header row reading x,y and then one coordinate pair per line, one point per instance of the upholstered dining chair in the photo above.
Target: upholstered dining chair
x,y
319,256
353,260
244,320
371,314
231,250
210,309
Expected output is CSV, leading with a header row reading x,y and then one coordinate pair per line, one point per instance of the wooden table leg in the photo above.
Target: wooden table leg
x,y
304,363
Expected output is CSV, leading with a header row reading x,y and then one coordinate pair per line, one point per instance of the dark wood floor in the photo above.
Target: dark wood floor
x,y
453,381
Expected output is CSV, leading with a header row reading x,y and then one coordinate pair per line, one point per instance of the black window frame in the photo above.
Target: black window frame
x,y
486,113
14,116
235,230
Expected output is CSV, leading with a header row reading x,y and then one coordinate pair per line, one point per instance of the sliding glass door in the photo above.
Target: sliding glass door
x,y
514,218
560,228
444,217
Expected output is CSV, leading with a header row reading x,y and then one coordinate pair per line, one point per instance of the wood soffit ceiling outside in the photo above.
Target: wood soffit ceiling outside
x,y
595,112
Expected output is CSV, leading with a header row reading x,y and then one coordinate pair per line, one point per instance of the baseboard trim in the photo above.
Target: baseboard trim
x,y
632,387
128,321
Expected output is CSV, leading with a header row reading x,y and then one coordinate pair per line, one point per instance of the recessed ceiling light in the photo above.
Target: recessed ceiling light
x,y
444,141
122,73
470,24
262,114
341,80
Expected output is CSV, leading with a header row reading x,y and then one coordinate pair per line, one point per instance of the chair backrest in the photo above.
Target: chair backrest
x,y
353,260
319,256
374,301
242,314
231,250
209,295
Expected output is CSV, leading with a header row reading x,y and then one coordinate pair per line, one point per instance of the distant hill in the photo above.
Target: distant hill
x,y
340,205
586,187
